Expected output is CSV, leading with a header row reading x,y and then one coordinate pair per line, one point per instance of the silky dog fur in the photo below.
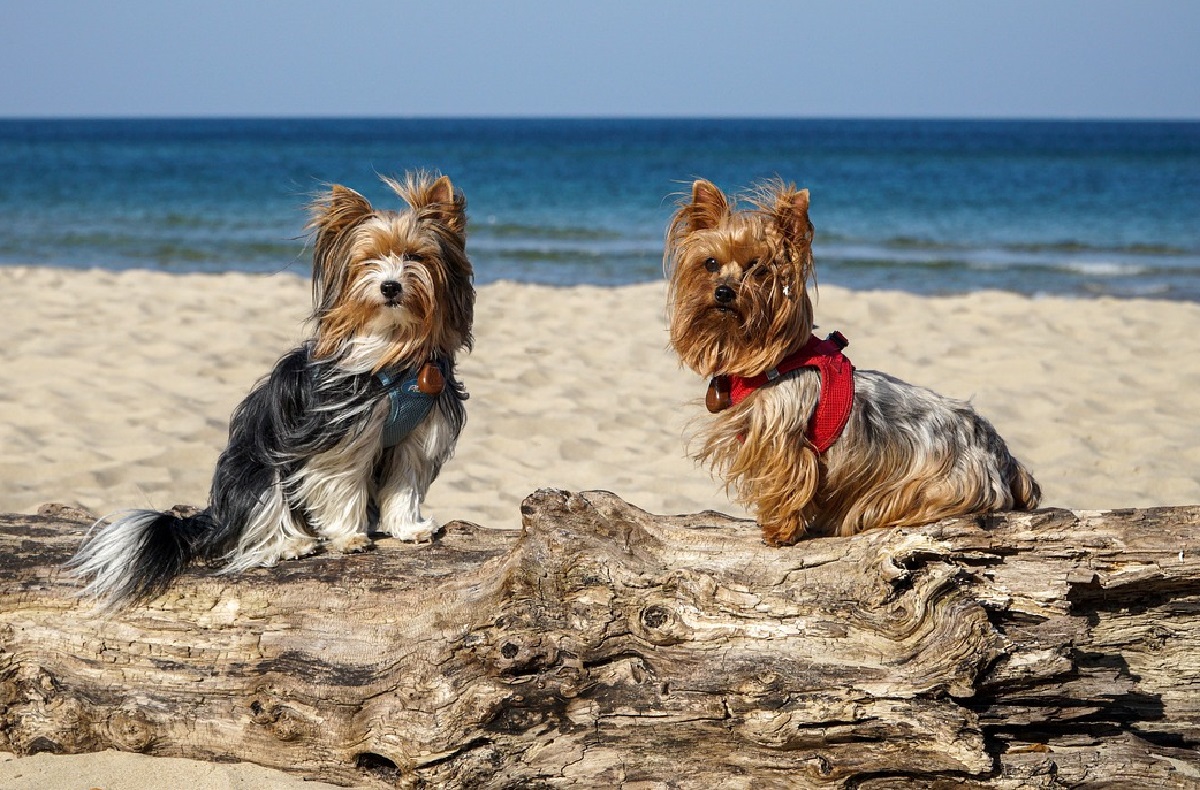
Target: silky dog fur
x,y
305,465
906,456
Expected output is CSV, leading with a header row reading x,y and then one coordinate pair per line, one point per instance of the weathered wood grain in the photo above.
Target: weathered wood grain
x,y
607,647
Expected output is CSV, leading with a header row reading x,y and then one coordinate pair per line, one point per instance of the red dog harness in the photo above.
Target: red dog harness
x,y
837,387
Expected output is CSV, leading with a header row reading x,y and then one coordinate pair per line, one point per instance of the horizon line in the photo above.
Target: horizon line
x,y
600,117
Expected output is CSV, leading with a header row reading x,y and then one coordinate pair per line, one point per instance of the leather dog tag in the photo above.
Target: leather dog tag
x,y
430,379
717,398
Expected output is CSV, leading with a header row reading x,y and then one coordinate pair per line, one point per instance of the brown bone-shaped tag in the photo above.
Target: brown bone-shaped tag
x,y
717,399
430,379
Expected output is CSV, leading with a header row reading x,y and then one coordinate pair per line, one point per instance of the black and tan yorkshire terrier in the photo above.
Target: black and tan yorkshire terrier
x,y
811,445
349,430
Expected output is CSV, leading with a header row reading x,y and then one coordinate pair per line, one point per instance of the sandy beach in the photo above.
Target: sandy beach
x,y
117,387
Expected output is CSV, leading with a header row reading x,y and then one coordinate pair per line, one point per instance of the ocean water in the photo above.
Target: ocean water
x,y
1066,208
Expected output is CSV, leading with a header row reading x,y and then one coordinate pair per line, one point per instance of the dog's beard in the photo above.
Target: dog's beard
x,y
706,337
745,337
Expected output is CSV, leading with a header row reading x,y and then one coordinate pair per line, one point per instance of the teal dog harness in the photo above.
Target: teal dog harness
x,y
407,403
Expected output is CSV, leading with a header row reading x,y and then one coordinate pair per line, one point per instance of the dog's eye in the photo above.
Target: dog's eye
x,y
712,265
415,257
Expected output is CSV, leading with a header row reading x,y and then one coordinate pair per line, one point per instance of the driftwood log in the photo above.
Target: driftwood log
x,y
607,647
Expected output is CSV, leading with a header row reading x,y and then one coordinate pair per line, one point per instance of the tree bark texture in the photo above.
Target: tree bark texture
x,y
607,647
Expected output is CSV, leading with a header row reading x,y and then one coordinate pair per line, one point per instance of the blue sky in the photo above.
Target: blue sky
x,y
856,58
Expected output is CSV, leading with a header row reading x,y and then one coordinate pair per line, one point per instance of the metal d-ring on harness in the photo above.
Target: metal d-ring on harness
x,y
411,394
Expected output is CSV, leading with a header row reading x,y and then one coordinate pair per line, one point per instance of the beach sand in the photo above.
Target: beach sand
x,y
117,387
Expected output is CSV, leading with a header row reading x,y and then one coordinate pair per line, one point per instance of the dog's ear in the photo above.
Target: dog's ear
x,y
439,201
333,213
791,215
708,206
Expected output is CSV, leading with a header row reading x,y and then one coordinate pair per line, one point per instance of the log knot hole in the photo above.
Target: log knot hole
x,y
523,655
130,730
660,624
284,722
655,616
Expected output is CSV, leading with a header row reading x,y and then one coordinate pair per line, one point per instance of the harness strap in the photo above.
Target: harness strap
x,y
837,387
411,393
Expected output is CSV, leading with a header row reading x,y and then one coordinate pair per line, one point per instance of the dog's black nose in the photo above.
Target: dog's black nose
x,y
724,294
390,289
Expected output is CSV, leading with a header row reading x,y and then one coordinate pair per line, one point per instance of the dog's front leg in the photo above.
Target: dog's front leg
x,y
408,472
334,488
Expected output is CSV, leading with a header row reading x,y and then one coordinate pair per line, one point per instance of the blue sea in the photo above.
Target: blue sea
x,y
932,207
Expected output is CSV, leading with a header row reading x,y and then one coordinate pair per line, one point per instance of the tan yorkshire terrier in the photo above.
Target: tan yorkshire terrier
x,y
812,445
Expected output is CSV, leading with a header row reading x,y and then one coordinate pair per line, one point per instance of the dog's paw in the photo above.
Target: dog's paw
x,y
296,548
349,544
419,531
